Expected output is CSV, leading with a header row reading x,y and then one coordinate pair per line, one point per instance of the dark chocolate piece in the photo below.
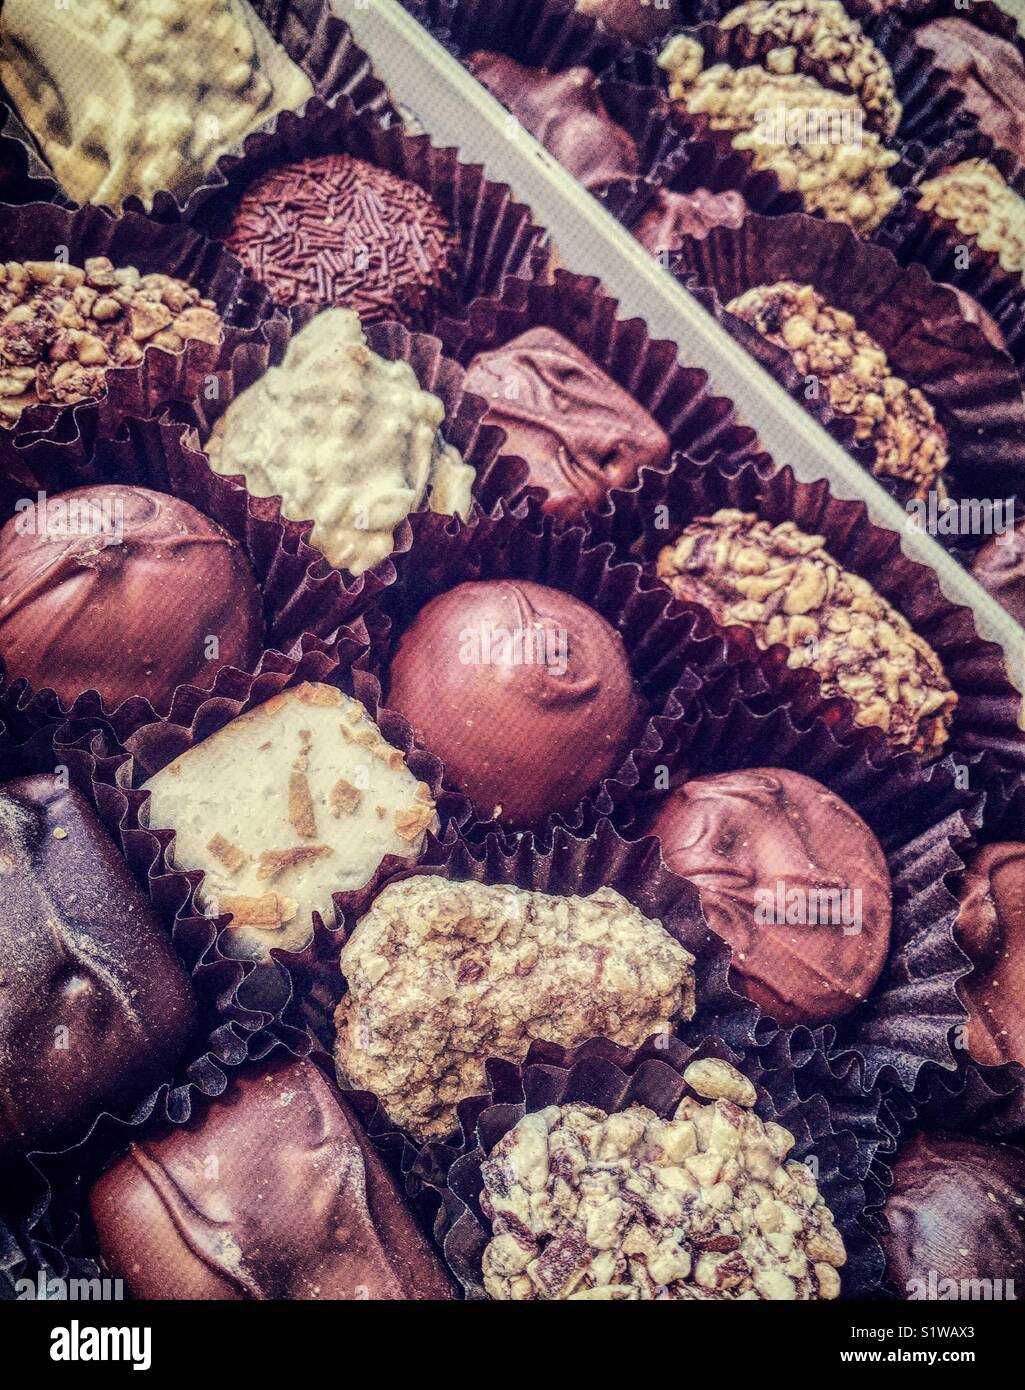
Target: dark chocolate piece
x,y
335,230
274,1193
1000,568
578,431
565,112
956,1216
792,878
523,691
125,591
640,21
95,1008
674,216
991,931
988,71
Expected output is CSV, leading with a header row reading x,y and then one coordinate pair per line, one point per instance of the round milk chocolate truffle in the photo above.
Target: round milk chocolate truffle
x,y
578,431
792,878
522,691
956,1212
125,591
999,567
991,932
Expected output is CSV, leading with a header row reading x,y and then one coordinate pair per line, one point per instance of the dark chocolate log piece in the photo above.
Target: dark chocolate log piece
x,y
523,691
274,1193
579,432
956,1216
792,878
125,591
991,931
95,1008
1000,567
565,112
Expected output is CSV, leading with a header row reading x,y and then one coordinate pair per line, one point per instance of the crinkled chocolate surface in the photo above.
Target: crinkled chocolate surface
x,y
704,1205
443,975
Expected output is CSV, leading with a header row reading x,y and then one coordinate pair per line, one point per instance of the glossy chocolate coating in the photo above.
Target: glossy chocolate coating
x,y
988,71
640,21
520,737
674,216
274,1193
956,1212
135,616
565,112
999,567
578,431
95,1007
991,932
738,836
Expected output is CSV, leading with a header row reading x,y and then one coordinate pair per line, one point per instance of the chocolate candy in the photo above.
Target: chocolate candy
x,y
523,691
956,1215
565,112
578,431
275,1192
999,567
337,230
673,216
640,21
988,71
792,878
991,931
95,1008
124,591
973,312
975,197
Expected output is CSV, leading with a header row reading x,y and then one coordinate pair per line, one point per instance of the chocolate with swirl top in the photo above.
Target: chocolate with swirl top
x,y
991,931
275,1193
579,432
792,878
523,691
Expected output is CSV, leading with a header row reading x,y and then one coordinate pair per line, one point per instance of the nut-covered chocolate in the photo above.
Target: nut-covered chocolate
x,y
63,327
565,112
895,420
999,567
792,878
991,931
443,975
956,1219
784,586
578,431
523,692
988,71
334,229
274,1193
295,800
95,1007
630,1206
125,591
842,174
131,96
978,200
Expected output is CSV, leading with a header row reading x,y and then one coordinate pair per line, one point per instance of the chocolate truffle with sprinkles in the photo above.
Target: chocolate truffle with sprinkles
x,y
337,230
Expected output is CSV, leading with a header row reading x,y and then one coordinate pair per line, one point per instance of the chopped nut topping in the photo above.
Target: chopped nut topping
x,y
275,861
822,32
895,419
443,975
230,855
786,588
976,197
301,813
838,168
59,335
345,798
411,823
715,1079
269,910
586,1205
